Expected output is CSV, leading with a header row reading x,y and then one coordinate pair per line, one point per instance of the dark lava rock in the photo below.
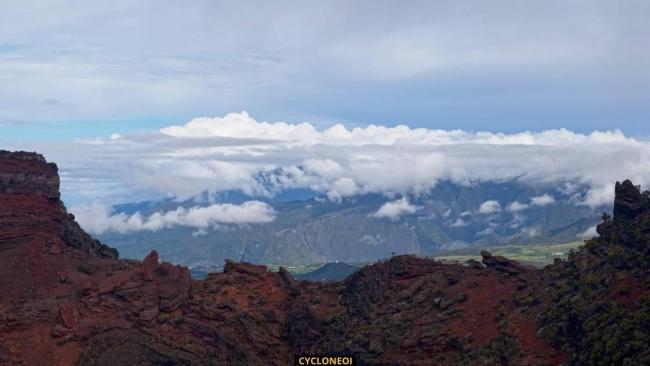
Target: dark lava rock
x,y
628,201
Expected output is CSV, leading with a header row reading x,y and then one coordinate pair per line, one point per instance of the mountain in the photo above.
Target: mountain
x,y
67,299
337,271
317,230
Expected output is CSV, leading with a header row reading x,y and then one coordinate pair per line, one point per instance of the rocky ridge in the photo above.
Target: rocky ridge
x,y
67,299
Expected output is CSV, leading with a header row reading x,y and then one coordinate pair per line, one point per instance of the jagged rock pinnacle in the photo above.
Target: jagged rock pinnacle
x,y
628,201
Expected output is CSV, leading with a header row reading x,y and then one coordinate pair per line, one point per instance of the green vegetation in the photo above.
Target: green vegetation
x,y
598,303
595,318
536,254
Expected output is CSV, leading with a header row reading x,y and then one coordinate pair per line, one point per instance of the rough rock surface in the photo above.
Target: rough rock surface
x,y
66,299
629,202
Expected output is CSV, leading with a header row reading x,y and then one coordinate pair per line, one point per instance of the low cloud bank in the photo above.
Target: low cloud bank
x,y
97,218
237,152
394,209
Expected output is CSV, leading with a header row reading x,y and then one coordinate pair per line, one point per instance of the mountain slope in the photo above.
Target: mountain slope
x,y
317,230
337,271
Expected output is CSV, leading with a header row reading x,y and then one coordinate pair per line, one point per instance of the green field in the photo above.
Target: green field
x,y
536,254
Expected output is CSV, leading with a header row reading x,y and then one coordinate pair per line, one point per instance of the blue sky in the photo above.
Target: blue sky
x,y
84,69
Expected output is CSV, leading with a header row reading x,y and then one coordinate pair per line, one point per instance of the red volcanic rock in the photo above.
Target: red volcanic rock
x,y
28,173
29,196
150,262
55,249
68,315
501,264
67,299
109,311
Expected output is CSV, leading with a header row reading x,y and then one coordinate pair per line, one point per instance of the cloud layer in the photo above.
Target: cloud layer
x,y
468,62
237,152
97,218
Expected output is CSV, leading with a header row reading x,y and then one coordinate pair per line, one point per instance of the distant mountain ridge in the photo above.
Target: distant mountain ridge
x,y
311,229
337,271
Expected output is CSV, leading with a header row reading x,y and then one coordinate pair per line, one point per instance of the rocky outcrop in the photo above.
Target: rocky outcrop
x,y
629,202
501,264
28,173
29,192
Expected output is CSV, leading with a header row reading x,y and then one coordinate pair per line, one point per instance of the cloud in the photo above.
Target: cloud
x,y
265,158
600,194
542,200
458,223
394,209
588,234
516,206
97,218
135,59
531,231
486,231
489,207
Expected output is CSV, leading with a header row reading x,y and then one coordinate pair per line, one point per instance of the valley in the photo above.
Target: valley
x,y
314,230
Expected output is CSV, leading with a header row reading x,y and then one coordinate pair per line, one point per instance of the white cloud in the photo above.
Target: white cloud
x,y
303,45
264,158
342,187
97,218
486,231
516,206
517,221
542,200
458,223
394,209
531,231
241,125
588,234
604,194
489,207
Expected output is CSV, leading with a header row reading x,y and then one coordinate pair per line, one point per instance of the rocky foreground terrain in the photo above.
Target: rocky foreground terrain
x,y
67,299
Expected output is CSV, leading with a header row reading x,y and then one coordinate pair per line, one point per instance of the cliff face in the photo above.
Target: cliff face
x,y
66,299
31,207
28,173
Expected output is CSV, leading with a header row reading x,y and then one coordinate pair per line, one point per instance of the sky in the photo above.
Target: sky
x,y
74,69
140,99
